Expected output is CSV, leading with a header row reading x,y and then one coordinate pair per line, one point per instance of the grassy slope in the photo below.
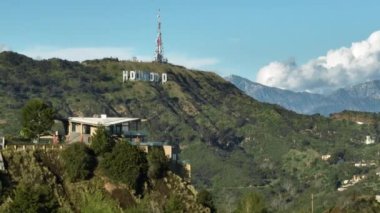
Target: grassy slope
x,y
233,142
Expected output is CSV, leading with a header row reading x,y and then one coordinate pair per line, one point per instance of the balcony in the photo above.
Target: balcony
x,y
139,133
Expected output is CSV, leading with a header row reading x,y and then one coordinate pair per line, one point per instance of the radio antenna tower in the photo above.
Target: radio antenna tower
x,y
159,45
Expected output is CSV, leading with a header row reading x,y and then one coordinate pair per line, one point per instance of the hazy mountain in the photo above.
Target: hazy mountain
x,y
361,97
370,89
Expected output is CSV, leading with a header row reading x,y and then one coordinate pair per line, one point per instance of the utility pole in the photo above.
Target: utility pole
x,y
312,203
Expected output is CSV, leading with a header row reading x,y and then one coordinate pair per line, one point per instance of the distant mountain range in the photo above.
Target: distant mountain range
x,y
361,97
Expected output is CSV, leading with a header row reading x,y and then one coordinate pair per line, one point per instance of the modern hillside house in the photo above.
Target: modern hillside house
x,y
82,128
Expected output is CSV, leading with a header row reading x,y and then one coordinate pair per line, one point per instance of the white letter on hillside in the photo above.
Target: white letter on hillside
x,y
125,76
132,75
164,78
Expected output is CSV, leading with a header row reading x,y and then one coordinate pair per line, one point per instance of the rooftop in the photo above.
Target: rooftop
x,y
104,121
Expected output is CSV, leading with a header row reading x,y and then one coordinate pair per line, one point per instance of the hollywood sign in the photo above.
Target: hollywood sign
x,y
144,76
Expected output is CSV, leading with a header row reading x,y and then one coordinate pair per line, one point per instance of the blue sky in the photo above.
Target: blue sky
x,y
228,37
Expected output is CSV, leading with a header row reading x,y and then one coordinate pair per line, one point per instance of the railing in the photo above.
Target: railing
x,y
24,147
135,133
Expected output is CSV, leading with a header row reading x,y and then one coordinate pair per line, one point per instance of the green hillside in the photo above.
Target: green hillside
x,y
39,176
234,143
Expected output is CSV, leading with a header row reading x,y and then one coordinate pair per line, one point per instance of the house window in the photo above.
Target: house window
x,y
118,129
87,129
73,127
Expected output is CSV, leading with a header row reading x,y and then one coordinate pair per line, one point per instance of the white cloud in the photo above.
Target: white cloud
x,y
338,68
192,63
3,48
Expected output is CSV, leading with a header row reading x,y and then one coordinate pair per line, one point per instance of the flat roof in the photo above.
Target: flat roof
x,y
101,121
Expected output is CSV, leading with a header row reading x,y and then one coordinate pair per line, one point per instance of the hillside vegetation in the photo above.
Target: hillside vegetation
x,y
37,180
235,144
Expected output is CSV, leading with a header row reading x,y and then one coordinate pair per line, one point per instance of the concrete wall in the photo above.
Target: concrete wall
x,y
168,150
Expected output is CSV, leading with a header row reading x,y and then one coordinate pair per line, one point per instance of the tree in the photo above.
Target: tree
x,y
158,163
174,205
251,203
101,141
79,162
30,199
37,118
204,197
125,164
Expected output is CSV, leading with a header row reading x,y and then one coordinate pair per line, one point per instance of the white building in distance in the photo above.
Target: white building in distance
x,y
369,140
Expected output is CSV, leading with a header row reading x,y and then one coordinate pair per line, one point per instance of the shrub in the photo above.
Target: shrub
x,y
125,164
251,203
204,197
101,141
174,205
158,163
79,162
36,198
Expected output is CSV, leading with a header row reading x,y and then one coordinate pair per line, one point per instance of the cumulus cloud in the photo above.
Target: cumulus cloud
x,y
338,68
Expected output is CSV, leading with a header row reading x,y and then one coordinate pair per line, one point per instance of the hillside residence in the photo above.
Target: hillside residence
x,y
325,157
369,140
364,164
81,129
347,183
170,153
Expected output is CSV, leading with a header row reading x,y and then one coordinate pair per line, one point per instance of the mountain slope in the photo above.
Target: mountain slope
x,y
370,89
234,143
301,102
362,97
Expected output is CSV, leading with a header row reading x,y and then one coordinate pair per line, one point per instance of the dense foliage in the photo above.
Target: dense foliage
x,y
30,199
37,118
101,141
79,162
174,205
125,164
35,184
204,197
251,203
158,163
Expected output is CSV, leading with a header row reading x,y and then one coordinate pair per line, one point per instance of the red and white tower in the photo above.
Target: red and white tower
x,y
159,45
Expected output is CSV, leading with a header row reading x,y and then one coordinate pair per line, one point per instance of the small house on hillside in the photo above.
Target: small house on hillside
x,y
369,140
82,128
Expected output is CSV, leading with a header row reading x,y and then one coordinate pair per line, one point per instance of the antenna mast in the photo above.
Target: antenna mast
x,y
159,45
